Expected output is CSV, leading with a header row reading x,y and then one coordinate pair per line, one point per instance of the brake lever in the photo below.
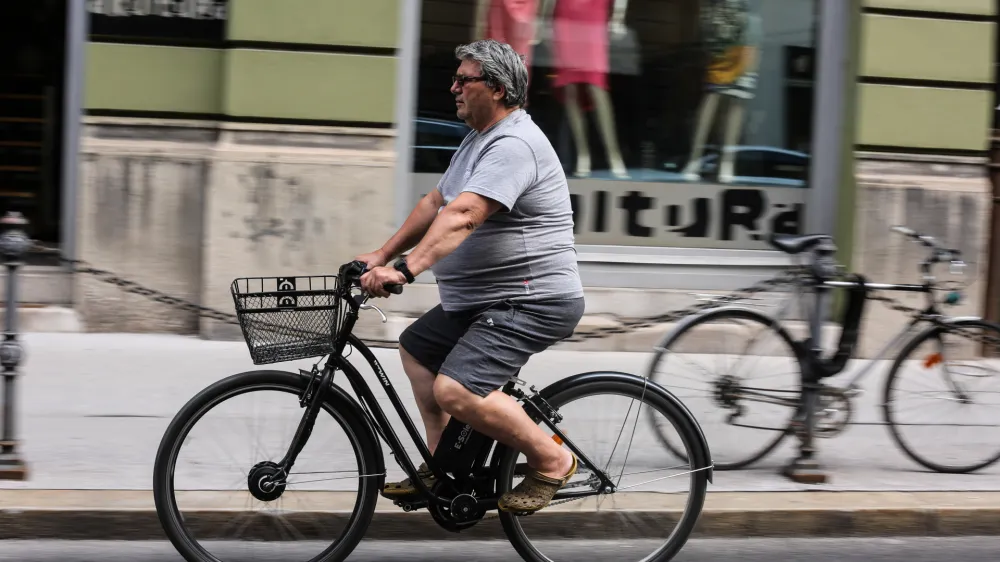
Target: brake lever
x,y
367,306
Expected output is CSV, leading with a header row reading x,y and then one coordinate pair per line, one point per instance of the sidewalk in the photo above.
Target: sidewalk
x,y
93,408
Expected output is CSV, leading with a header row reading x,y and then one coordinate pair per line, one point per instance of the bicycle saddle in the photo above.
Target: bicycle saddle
x,y
792,244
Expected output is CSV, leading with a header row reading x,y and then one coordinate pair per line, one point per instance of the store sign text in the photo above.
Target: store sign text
x,y
698,215
676,215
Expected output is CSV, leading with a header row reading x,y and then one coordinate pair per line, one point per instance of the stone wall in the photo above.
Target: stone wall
x,y
186,207
946,198
140,215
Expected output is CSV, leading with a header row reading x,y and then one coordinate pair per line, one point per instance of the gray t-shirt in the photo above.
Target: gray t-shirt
x,y
525,250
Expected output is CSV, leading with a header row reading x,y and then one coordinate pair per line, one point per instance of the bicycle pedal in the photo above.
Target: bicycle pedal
x,y
410,506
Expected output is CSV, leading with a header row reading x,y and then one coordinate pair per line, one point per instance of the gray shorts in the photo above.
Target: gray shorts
x,y
483,348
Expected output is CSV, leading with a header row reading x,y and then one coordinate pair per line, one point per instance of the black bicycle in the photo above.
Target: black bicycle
x,y
949,368
281,503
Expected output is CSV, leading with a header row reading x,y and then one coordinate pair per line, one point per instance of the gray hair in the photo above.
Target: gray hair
x,y
502,66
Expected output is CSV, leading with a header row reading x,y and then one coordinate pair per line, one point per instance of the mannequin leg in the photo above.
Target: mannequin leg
x,y
708,107
606,125
576,125
734,124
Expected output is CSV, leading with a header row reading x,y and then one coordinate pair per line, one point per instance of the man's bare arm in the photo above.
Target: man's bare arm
x,y
414,227
452,226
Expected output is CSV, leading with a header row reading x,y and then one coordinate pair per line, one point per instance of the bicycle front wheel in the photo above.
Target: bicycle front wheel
x,y
657,502
215,469
942,397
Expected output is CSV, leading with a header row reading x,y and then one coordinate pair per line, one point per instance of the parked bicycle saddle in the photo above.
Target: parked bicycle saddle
x,y
793,244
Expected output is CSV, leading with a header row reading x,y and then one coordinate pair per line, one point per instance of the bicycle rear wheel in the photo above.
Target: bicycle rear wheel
x,y
319,514
952,424
664,499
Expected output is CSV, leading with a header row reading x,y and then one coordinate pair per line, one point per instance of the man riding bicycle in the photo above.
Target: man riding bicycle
x,y
497,232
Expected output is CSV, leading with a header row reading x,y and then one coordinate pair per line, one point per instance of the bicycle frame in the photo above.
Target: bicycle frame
x,y
821,286
380,423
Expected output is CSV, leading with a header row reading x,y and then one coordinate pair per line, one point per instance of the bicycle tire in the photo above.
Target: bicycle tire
x,y
630,386
890,380
713,315
337,404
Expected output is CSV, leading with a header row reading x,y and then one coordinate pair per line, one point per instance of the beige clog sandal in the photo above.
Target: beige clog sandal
x,y
534,492
393,490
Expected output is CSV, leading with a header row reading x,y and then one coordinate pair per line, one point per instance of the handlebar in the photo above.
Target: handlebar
x,y
940,252
351,273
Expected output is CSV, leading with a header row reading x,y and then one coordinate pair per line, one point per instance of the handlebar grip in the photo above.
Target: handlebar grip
x,y
904,230
393,288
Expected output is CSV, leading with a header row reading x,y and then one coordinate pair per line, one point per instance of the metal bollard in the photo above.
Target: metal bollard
x,y
14,243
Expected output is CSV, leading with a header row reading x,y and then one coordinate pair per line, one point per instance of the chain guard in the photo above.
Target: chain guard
x,y
834,413
462,514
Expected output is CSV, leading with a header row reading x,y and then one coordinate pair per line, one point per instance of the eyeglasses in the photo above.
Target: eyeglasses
x,y
463,80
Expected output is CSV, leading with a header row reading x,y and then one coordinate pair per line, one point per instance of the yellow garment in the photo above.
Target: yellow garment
x,y
726,68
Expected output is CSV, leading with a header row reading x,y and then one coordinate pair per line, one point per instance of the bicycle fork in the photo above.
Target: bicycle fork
x,y
312,399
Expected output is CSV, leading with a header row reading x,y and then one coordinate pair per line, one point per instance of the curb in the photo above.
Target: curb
x,y
726,515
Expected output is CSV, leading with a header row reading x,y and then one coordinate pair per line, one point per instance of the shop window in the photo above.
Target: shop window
x,y
705,106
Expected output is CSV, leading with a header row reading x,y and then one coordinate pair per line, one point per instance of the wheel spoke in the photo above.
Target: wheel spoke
x,y
251,508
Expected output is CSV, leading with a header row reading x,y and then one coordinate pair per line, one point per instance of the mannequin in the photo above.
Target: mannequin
x,y
509,21
580,40
731,79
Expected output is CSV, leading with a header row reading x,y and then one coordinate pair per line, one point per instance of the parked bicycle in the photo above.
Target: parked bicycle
x,y
285,319
935,365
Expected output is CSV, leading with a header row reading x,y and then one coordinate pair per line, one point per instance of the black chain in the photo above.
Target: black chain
x,y
627,325
80,266
623,326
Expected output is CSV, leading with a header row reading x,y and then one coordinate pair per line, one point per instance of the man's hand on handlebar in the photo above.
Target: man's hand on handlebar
x,y
378,281
373,259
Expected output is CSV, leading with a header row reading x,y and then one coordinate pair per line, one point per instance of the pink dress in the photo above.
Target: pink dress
x,y
580,44
513,22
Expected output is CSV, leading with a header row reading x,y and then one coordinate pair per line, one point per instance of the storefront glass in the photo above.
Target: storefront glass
x,y
680,123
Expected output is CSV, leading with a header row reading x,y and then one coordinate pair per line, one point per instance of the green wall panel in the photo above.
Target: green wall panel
x,y
923,117
320,86
370,23
153,78
955,6
899,48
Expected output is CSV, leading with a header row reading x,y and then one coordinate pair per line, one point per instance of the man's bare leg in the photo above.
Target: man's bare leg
x,y
422,382
500,417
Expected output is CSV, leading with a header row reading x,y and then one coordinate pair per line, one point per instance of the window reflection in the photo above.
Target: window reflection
x,y
670,96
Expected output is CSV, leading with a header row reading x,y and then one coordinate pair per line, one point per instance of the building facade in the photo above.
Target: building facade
x,y
192,142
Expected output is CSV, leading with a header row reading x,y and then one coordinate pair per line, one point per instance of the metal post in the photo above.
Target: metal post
x,y
14,243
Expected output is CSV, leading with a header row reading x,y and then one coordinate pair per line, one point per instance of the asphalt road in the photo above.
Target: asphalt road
x,y
746,550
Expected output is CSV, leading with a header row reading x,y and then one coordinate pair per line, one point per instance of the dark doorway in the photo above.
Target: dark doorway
x,y
32,70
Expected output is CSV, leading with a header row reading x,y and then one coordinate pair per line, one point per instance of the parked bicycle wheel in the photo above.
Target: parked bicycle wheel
x,y
942,398
318,514
736,369
602,418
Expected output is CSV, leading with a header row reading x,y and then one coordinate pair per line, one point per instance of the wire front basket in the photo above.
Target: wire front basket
x,y
288,318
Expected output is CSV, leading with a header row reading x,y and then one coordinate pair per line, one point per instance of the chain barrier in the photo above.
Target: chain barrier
x,y
622,326
80,266
626,325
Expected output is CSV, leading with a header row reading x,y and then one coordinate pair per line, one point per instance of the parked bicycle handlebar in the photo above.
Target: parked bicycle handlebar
x,y
940,252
